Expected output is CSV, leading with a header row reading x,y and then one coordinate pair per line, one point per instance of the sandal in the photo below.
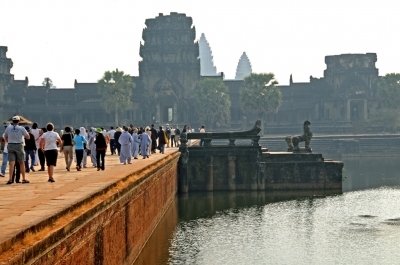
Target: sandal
x,y
25,181
9,182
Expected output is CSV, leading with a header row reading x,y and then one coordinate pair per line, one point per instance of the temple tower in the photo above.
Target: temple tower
x,y
206,59
244,67
6,78
170,68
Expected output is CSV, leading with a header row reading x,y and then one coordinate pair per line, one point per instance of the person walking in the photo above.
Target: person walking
x,y
48,143
5,152
117,134
202,130
30,151
101,147
36,132
144,145
173,142
168,134
177,136
125,140
85,146
153,139
42,157
79,141
135,143
14,135
161,139
111,133
67,147
92,146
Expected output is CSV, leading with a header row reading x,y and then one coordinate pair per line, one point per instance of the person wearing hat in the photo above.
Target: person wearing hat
x,y
5,159
101,147
14,135
30,151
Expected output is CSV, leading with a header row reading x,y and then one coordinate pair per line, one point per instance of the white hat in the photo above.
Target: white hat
x,y
167,124
16,118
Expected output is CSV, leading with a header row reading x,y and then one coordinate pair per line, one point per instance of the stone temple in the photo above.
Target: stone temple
x,y
243,68
207,67
340,101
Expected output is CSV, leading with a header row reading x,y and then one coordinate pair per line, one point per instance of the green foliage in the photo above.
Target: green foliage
x,y
116,90
49,81
388,91
385,116
260,95
213,102
388,94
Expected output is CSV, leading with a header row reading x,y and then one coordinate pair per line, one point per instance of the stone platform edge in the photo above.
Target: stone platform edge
x,y
28,244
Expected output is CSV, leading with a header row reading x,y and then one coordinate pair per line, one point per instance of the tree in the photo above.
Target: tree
x,y
388,93
260,95
213,102
48,82
116,90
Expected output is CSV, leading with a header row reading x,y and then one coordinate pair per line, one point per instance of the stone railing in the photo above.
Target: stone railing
x,y
207,137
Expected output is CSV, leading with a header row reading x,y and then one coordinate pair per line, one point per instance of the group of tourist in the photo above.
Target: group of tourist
x,y
41,146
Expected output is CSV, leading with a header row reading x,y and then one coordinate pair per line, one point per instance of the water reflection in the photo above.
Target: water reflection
x,y
360,226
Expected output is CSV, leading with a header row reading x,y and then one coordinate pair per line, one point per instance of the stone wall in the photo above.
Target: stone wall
x,y
233,168
111,227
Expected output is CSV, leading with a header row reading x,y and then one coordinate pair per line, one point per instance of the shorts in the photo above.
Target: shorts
x,y
51,157
16,153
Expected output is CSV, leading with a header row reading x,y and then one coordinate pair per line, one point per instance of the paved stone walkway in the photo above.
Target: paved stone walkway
x,y
24,205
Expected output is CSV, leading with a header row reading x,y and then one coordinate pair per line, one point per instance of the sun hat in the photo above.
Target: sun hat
x,y
98,130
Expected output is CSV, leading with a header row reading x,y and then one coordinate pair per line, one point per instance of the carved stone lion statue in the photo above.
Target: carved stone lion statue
x,y
293,142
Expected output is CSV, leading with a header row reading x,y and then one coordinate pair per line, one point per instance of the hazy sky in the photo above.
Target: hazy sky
x,y
80,39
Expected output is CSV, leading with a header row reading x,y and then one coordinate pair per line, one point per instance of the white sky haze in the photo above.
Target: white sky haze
x,y
80,39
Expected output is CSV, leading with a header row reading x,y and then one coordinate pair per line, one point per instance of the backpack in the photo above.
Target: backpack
x,y
168,130
177,131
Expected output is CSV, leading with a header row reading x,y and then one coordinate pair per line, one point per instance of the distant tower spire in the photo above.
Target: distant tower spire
x,y
206,59
244,67
291,79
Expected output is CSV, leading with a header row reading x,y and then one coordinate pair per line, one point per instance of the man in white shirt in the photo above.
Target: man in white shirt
x,y
14,135
111,133
173,142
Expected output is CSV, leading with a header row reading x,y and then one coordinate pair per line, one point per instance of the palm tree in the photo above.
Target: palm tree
x,y
260,95
213,102
115,89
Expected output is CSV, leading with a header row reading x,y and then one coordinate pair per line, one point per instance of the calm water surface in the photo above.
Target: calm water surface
x,y
359,226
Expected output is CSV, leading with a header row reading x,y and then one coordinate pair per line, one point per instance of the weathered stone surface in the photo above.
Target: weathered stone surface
x,y
109,227
248,167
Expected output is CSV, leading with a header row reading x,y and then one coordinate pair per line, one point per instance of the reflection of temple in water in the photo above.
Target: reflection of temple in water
x,y
170,69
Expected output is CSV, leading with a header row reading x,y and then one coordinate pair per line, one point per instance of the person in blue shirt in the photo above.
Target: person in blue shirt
x,y
79,141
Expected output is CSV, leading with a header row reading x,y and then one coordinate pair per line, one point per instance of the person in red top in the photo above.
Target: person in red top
x,y
101,147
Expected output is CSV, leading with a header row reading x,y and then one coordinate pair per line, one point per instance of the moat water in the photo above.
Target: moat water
x,y
359,226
